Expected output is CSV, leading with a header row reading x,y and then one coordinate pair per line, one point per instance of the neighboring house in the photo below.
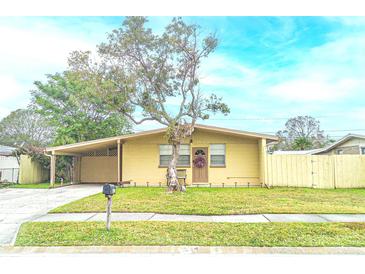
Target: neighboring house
x,y
9,166
349,144
231,156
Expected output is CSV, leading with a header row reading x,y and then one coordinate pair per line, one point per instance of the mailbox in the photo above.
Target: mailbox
x,y
108,189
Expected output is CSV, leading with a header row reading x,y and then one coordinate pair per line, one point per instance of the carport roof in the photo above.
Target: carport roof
x,y
107,142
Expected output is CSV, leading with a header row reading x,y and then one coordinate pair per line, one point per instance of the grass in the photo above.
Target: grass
x,y
221,201
197,234
40,185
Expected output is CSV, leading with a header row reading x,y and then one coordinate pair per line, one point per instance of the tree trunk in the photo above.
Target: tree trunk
x,y
173,181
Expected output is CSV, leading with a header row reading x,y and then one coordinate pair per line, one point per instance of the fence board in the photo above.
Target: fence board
x,y
31,171
318,171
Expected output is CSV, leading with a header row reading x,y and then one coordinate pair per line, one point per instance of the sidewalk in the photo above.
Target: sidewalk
x,y
21,251
254,218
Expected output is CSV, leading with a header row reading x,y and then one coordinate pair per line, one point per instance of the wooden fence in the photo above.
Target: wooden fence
x,y
31,171
316,171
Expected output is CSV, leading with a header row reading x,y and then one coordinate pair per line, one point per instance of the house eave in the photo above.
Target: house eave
x,y
111,140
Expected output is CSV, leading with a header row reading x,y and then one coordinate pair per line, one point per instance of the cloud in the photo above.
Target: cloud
x,y
313,89
352,21
332,71
38,49
29,49
221,71
10,88
358,114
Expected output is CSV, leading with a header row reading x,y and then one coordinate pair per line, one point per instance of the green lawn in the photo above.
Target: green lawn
x,y
198,234
41,185
211,201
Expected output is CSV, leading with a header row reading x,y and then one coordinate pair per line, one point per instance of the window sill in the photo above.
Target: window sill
x,y
224,166
176,166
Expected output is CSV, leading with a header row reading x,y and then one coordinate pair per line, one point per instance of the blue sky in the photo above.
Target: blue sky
x,y
266,68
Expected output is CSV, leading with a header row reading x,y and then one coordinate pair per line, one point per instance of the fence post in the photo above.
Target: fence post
x,y
334,171
312,171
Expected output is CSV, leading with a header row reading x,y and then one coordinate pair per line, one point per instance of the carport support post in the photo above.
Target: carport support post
x,y
119,160
53,169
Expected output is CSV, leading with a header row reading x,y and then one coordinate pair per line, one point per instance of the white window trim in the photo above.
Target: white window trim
x,y
225,155
159,156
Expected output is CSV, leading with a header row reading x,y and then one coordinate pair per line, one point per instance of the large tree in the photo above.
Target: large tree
x,y
25,126
154,77
301,133
27,131
71,106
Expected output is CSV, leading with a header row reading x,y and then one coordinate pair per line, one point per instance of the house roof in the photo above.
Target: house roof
x,y
106,142
6,150
340,142
297,152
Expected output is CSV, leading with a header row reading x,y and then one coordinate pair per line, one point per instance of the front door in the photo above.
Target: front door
x,y
200,164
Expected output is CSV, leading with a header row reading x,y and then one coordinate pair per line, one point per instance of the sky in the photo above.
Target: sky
x,y
267,69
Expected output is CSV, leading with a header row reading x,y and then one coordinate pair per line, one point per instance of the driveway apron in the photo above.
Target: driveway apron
x,y
20,205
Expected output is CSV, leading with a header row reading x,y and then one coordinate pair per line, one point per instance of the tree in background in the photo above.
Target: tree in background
x,y
25,127
71,107
76,114
301,133
27,131
302,143
154,77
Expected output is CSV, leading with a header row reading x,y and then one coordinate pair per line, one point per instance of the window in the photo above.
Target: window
x,y
339,151
363,150
218,155
166,154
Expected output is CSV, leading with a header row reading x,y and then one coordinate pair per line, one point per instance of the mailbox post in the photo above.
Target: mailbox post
x,y
108,191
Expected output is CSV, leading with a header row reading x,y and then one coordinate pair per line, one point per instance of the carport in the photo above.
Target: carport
x,y
96,161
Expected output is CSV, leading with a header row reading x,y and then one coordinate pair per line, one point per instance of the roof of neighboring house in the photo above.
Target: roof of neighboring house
x,y
297,152
6,150
341,141
101,143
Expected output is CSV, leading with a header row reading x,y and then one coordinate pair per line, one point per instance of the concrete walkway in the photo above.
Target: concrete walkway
x,y
254,218
18,205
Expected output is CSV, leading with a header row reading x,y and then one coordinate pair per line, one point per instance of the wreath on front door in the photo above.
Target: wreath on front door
x,y
199,162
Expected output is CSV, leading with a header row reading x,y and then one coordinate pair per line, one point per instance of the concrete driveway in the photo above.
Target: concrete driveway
x,y
21,205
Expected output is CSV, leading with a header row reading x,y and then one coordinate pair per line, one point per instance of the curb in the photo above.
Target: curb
x,y
181,250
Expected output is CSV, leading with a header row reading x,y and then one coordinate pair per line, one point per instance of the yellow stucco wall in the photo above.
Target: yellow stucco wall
x,y
102,169
140,162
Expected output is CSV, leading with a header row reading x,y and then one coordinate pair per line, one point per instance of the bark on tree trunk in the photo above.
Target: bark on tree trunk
x,y
174,184
176,134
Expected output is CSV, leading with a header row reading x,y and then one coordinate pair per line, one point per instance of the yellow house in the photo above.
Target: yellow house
x,y
230,156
